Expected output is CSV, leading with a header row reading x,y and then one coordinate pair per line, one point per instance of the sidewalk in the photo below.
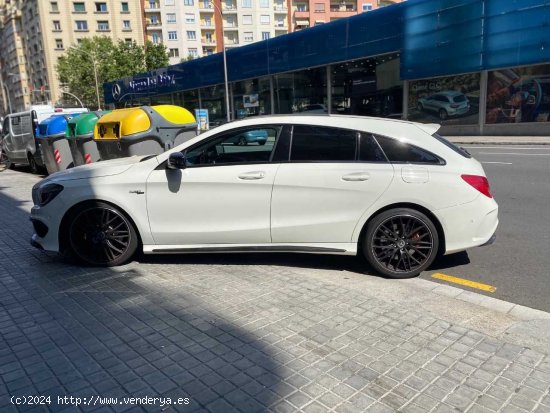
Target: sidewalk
x,y
253,333
501,140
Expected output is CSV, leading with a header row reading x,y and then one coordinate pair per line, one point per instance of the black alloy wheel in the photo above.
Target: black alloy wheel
x,y
401,243
101,235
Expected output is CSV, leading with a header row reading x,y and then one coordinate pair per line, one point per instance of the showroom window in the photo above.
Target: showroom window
x,y
322,144
247,145
518,95
400,152
296,91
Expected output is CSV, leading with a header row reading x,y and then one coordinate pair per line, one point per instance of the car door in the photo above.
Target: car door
x,y
333,176
221,197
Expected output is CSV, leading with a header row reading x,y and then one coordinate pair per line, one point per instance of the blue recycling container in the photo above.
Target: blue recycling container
x,y
53,144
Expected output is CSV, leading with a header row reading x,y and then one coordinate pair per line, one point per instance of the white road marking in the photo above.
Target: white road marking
x,y
521,148
500,163
515,154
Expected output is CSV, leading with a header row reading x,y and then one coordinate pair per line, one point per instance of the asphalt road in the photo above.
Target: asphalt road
x,y
518,264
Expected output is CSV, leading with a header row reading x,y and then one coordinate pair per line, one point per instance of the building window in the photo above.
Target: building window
x,y
248,36
153,4
54,8
81,25
59,44
264,19
191,35
189,18
230,21
319,7
124,7
79,8
301,7
208,37
246,3
367,7
174,52
169,2
173,35
101,7
206,4
56,26
264,4
193,52
155,38
207,22
280,22
188,2
154,20
171,18
247,19
126,25
266,35
128,40
102,26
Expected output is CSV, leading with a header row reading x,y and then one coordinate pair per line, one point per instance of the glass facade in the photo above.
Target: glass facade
x,y
367,87
518,95
251,97
451,100
297,91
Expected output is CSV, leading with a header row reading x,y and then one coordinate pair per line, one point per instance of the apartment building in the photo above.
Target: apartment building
x,y
46,29
13,76
195,28
309,13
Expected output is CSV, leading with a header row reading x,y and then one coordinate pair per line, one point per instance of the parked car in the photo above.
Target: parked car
x,y
314,108
445,104
393,191
254,136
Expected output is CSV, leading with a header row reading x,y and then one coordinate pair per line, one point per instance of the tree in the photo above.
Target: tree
x,y
112,61
156,56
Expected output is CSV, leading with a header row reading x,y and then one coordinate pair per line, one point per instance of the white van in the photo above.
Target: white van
x,y
18,135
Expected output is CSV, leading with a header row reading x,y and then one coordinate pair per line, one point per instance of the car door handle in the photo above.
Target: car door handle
x,y
361,176
252,175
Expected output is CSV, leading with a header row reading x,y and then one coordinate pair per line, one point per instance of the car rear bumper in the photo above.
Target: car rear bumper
x,y
469,225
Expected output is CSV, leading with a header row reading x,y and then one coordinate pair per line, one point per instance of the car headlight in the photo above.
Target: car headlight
x,y
43,195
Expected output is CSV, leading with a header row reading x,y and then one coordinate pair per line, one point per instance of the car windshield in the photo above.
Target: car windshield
x,y
459,98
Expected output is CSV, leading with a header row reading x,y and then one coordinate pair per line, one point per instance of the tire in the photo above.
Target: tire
x,y
262,142
32,164
100,234
400,243
443,115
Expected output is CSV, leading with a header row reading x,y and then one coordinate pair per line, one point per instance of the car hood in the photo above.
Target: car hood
x,y
97,169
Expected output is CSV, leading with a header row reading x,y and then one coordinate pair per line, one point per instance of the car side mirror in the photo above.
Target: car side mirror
x,y
176,160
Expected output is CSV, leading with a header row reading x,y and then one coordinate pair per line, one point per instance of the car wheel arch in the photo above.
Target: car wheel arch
x,y
417,207
64,225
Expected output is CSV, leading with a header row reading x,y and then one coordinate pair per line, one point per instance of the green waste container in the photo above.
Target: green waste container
x,y
80,135
143,130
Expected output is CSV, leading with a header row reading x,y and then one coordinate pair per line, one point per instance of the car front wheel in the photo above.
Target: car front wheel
x,y
101,235
400,243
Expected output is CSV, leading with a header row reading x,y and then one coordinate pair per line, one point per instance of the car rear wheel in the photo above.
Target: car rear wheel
x,y
101,235
400,243
32,163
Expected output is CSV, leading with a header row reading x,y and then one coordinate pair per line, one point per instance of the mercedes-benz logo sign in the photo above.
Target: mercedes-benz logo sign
x,y
116,91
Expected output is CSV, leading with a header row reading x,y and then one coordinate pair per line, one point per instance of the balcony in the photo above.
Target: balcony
x,y
208,42
205,8
229,9
154,26
279,8
152,8
342,7
301,14
207,26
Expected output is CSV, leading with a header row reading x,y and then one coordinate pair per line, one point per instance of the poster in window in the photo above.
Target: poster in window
x,y
452,100
251,101
518,95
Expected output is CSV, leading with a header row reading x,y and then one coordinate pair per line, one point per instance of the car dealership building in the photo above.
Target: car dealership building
x,y
475,66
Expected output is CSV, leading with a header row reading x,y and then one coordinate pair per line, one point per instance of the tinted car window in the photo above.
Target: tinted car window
x,y
397,151
318,143
251,145
452,146
369,150
459,98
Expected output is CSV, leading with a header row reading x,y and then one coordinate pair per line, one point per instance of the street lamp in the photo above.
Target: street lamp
x,y
92,58
227,109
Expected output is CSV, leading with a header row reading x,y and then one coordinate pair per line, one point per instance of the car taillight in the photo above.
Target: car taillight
x,y
480,183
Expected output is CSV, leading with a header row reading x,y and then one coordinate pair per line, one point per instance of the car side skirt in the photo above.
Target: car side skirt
x,y
320,248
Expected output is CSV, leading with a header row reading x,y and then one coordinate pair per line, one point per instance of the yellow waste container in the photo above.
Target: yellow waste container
x,y
143,130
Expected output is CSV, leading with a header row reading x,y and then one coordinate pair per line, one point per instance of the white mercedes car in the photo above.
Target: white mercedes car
x,y
393,191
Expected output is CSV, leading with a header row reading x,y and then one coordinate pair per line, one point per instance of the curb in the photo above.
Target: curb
x,y
515,310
